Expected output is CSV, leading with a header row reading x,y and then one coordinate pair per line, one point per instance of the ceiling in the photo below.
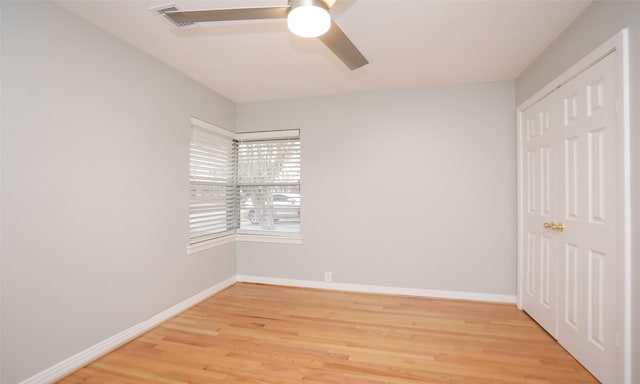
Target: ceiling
x,y
409,43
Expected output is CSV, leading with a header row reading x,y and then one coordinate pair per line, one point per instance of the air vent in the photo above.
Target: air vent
x,y
163,9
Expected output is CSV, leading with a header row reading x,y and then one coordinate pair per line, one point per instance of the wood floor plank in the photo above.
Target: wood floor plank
x,y
251,333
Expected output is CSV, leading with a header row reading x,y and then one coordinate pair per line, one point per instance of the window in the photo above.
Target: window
x,y
247,183
269,182
212,211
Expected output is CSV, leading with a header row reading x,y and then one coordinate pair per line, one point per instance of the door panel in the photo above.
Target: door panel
x,y
540,295
570,288
590,175
571,177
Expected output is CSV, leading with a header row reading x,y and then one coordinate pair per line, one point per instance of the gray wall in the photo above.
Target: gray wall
x,y
94,187
597,24
410,189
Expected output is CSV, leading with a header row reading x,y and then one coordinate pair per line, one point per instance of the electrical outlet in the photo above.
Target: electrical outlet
x,y
328,276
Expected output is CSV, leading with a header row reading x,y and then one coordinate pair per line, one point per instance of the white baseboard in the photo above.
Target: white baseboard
x,y
473,296
92,353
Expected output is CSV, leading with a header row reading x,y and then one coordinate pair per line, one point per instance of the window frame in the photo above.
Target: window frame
x,y
215,180
269,136
229,236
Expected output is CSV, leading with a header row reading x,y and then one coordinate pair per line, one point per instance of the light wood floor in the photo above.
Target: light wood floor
x,y
253,333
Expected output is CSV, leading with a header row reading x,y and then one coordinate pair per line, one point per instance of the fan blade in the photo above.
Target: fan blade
x,y
342,47
228,14
330,3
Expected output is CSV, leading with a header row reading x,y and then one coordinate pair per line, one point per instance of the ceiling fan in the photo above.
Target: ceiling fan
x,y
306,18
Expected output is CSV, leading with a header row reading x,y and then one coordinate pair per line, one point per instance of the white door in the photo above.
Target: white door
x,y
588,267
570,180
541,202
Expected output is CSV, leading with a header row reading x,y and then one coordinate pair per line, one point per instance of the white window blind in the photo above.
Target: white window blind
x,y
268,182
212,171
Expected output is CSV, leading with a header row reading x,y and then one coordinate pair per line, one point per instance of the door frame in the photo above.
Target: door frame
x,y
619,44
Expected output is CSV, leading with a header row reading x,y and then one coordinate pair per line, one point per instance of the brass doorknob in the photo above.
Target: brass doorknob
x,y
556,227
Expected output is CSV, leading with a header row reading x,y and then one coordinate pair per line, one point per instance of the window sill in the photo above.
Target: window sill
x,y
252,238
280,239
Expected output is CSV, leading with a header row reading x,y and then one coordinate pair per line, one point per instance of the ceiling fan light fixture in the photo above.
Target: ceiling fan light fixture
x,y
309,18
